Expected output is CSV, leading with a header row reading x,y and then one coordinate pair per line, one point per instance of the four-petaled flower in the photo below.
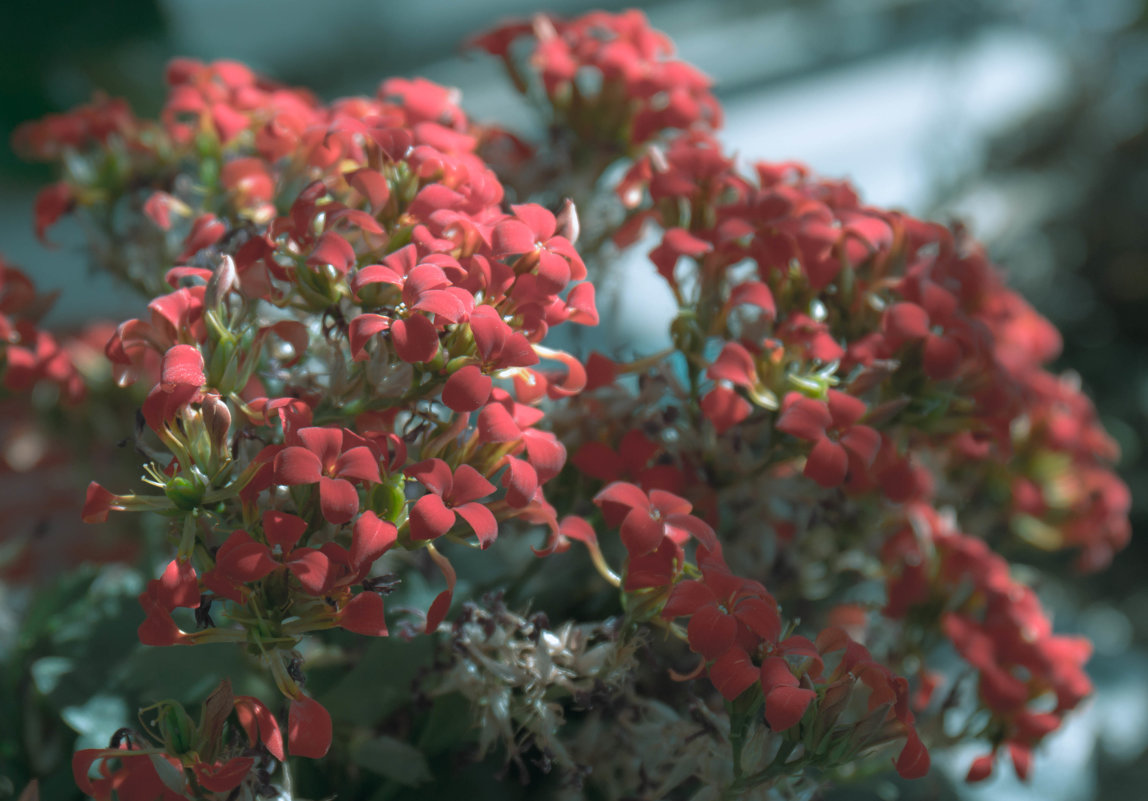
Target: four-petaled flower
x,y
332,457
433,514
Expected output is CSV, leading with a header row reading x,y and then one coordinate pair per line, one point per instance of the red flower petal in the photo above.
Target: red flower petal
x,y
434,474
521,482
668,504
308,728
313,570
297,465
775,672
182,367
361,330
260,725
415,338
539,219
827,463
370,184
761,616
481,520
363,614
332,249
545,453
430,518
785,706
845,409
326,443
686,598
941,358
711,632
496,424
283,529
913,762
178,586
467,389
338,499
804,418
576,528
733,673
358,463
220,778
981,769
617,499
441,604
863,442
905,322
676,242
1021,759
468,485
371,538
249,561
641,533
52,203
98,503
754,293
512,237
734,364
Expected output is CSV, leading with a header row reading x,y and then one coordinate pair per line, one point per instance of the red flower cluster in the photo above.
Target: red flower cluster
x,y
643,91
28,354
344,357
996,624
190,765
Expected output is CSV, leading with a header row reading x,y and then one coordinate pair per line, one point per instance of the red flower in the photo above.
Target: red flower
x,y
260,725
785,699
646,520
725,611
839,443
724,408
221,777
181,382
98,503
135,777
52,203
676,242
913,762
467,389
532,233
177,587
434,513
332,457
907,322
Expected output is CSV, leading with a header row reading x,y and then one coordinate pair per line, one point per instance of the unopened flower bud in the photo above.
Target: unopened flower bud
x,y
567,220
222,281
217,421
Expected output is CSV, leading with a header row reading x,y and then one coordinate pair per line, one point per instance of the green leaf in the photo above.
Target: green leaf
x,y
394,760
47,672
383,675
96,720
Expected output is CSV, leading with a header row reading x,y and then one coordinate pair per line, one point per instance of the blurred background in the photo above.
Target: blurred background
x,y
1026,120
